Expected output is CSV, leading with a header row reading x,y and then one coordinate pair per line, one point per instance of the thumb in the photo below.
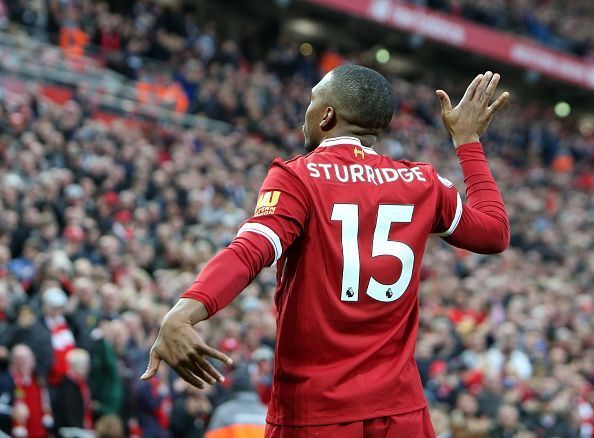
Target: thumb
x,y
152,367
444,99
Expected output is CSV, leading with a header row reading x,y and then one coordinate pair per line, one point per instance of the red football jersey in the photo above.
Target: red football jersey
x,y
349,228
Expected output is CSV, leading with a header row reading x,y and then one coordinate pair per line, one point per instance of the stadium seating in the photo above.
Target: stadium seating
x,y
535,19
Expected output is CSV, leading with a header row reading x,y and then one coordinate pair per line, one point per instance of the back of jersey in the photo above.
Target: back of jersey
x,y
348,278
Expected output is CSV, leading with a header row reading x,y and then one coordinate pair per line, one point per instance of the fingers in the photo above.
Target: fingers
x,y
152,367
211,370
209,351
482,86
472,88
189,377
203,369
204,376
486,98
499,103
197,370
444,99
191,371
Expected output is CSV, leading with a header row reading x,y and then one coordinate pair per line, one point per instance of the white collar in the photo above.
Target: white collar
x,y
335,141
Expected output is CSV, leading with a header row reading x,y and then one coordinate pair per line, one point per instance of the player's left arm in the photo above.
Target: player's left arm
x,y
480,225
280,215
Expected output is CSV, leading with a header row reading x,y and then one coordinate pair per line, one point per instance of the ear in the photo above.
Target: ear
x,y
329,119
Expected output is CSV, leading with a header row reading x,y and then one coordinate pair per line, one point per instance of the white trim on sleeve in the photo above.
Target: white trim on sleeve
x,y
263,230
456,220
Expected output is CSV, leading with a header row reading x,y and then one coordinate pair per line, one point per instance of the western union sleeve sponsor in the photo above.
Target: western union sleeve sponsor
x,y
267,203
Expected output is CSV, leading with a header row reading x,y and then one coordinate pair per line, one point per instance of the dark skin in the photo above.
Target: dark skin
x,y
179,345
323,119
465,123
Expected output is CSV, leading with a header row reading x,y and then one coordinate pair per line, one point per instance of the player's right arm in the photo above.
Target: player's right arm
x,y
482,224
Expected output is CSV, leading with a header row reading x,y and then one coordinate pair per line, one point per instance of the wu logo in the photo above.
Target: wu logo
x,y
267,203
358,152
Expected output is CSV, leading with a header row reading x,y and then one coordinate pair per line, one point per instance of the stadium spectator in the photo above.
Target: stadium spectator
x,y
110,305
6,392
30,331
441,422
263,358
110,426
31,408
243,415
54,302
71,399
508,423
105,380
84,314
467,420
154,406
190,413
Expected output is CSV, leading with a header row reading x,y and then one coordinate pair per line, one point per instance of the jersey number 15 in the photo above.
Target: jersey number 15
x,y
387,214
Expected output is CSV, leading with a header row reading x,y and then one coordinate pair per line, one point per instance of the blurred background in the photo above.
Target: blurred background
x,y
134,137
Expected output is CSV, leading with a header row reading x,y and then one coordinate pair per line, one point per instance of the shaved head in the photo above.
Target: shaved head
x,y
361,96
349,100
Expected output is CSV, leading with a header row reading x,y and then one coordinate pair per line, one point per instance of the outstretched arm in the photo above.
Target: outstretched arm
x,y
277,222
483,225
221,280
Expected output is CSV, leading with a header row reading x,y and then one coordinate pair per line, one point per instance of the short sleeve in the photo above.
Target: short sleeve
x,y
281,210
448,208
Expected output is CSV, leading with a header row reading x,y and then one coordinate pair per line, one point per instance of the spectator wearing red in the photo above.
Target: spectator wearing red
x,y
32,415
54,303
72,404
264,361
108,36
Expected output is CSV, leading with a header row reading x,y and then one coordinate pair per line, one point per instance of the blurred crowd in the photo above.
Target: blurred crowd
x,y
158,29
563,25
102,226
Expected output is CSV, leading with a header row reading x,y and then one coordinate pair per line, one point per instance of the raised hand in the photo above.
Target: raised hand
x,y
182,349
469,119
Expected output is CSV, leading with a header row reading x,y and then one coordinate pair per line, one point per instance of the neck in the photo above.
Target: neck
x,y
366,137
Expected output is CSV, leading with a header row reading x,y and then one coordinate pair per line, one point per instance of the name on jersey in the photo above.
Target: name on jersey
x,y
364,173
267,202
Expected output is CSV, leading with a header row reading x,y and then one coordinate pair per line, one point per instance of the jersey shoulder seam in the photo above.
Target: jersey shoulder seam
x,y
415,163
286,165
292,160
